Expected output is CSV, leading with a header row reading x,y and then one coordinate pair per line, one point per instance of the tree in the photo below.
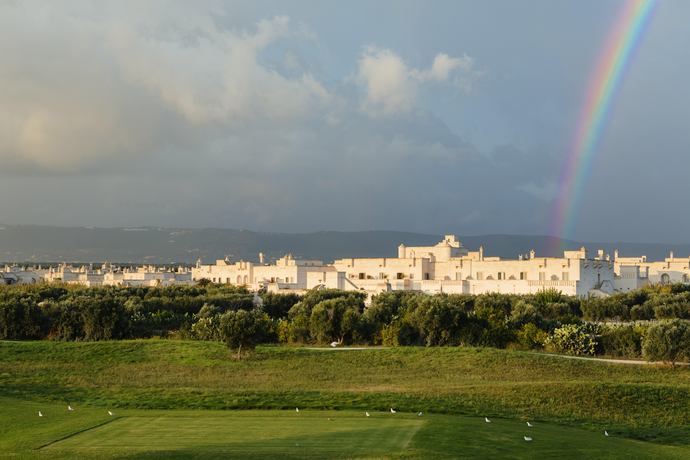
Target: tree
x,y
438,321
277,306
243,328
668,341
334,319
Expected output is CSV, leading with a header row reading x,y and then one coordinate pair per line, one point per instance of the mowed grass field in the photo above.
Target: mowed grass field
x,y
90,433
188,399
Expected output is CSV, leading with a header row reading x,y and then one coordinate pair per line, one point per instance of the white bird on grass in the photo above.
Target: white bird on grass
x,y
110,413
486,419
527,438
69,408
40,414
606,433
334,344
419,414
367,414
297,409
393,411
529,424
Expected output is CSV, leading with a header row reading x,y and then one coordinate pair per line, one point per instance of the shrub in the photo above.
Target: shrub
x,y
524,313
573,339
668,341
531,337
276,305
208,328
390,334
623,340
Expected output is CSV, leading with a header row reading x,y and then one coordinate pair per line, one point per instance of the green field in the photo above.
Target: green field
x,y
182,399
91,433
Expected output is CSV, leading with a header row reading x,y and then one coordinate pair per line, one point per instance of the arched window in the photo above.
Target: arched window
x,y
665,279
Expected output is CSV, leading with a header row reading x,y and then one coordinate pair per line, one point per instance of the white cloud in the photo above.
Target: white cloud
x,y
387,80
81,87
391,86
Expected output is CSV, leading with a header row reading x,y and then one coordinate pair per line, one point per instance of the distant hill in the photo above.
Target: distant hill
x,y
30,243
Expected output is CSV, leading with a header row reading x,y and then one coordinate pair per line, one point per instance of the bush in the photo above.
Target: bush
x,y
668,341
531,337
277,306
524,313
623,341
208,328
573,339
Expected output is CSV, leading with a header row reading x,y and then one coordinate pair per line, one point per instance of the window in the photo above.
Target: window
x,y
523,275
542,276
480,275
362,276
501,275
426,276
399,276
566,276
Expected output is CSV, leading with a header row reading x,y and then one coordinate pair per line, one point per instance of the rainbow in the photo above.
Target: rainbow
x,y
603,86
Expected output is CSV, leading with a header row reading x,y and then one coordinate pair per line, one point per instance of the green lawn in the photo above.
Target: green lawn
x,y
90,433
168,392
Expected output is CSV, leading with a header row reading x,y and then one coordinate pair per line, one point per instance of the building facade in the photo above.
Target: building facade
x,y
445,267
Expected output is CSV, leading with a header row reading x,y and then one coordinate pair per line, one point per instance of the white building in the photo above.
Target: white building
x,y
109,275
20,275
635,272
287,273
445,267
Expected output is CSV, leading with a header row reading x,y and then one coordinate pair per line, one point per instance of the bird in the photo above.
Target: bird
x,y
367,414
606,433
529,424
69,408
110,413
40,414
334,344
297,409
527,438
393,411
419,414
486,419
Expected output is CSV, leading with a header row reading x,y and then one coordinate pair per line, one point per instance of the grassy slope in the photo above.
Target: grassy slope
x,y
645,402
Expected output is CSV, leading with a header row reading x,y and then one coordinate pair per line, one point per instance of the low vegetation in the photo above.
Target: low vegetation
x,y
649,323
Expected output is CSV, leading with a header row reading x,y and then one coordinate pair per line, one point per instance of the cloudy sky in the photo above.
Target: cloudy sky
x,y
431,116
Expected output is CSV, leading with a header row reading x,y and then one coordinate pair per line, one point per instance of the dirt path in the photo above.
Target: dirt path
x,y
637,362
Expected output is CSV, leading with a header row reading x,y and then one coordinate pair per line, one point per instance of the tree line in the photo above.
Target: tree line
x,y
649,323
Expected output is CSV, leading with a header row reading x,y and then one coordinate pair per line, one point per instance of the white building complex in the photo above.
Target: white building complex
x,y
446,267
107,275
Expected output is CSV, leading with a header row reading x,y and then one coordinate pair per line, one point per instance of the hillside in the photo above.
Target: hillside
x,y
169,245
647,402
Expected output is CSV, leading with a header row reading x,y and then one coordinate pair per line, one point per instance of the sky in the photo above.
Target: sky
x,y
293,116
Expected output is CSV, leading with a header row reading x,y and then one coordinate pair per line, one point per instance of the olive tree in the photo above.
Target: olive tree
x,y
244,328
668,341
